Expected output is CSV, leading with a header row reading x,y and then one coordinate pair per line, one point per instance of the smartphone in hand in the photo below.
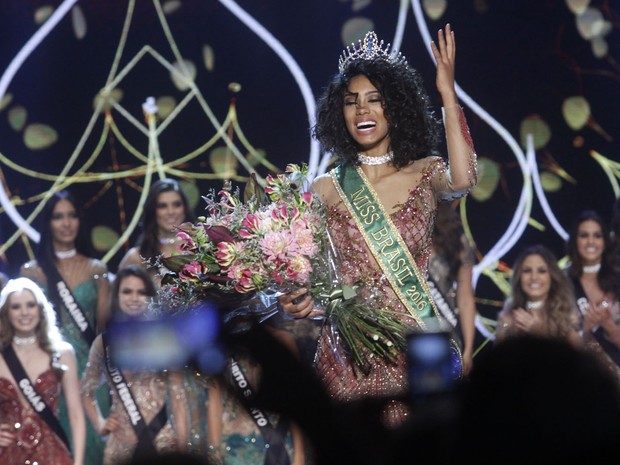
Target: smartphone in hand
x,y
429,363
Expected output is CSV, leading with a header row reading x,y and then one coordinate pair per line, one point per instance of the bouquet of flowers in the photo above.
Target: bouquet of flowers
x,y
256,249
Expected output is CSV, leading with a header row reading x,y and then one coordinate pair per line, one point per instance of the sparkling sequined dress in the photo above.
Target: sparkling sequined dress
x,y
150,391
86,294
36,442
415,222
242,442
590,342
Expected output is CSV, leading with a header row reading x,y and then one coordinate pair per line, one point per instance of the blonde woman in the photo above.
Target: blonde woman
x,y
36,367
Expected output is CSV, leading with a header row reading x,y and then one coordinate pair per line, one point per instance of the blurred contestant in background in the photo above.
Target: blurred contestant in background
x,y
166,207
597,287
36,367
77,286
541,302
450,278
139,423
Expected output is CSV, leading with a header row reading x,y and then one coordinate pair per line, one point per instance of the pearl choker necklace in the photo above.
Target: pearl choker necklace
x,y
168,240
24,341
592,268
365,160
534,305
62,254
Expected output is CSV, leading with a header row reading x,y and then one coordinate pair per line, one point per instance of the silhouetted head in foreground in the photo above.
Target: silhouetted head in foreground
x,y
170,458
534,400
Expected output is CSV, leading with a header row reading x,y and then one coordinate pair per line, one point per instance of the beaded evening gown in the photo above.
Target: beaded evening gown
x,y
590,343
36,442
414,220
150,391
87,276
242,442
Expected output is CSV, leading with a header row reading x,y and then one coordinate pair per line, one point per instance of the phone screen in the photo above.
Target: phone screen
x,y
429,363
168,342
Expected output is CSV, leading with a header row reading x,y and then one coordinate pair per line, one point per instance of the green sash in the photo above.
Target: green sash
x,y
386,245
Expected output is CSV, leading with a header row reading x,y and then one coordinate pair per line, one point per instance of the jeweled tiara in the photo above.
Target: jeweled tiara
x,y
369,49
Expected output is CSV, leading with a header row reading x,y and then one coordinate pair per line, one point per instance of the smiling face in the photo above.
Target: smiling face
x,y
132,296
590,242
64,225
24,313
364,116
535,278
170,212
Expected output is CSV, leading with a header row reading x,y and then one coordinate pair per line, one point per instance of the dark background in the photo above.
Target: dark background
x,y
517,59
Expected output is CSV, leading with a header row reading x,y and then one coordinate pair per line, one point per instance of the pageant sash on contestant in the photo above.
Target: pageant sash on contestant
x,y
31,395
582,304
59,293
146,433
276,454
444,307
388,248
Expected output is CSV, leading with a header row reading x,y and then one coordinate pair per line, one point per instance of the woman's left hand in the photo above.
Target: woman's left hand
x,y
445,55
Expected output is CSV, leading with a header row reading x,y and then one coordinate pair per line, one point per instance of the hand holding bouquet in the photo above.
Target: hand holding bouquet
x,y
274,241
247,247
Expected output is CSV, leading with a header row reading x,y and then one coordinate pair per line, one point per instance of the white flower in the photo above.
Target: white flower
x,y
149,106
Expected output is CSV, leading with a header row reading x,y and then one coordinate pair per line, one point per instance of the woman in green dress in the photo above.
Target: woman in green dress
x,y
77,285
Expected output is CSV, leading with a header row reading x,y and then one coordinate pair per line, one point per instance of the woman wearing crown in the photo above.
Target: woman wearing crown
x,y
375,117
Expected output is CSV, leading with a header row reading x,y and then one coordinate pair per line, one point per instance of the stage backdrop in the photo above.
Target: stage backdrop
x,y
235,82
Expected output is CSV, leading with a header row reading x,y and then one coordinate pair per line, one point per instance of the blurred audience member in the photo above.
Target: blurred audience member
x,y
171,458
538,400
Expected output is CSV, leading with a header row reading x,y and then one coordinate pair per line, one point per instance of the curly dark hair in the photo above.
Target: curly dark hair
x,y
414,131
607,277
